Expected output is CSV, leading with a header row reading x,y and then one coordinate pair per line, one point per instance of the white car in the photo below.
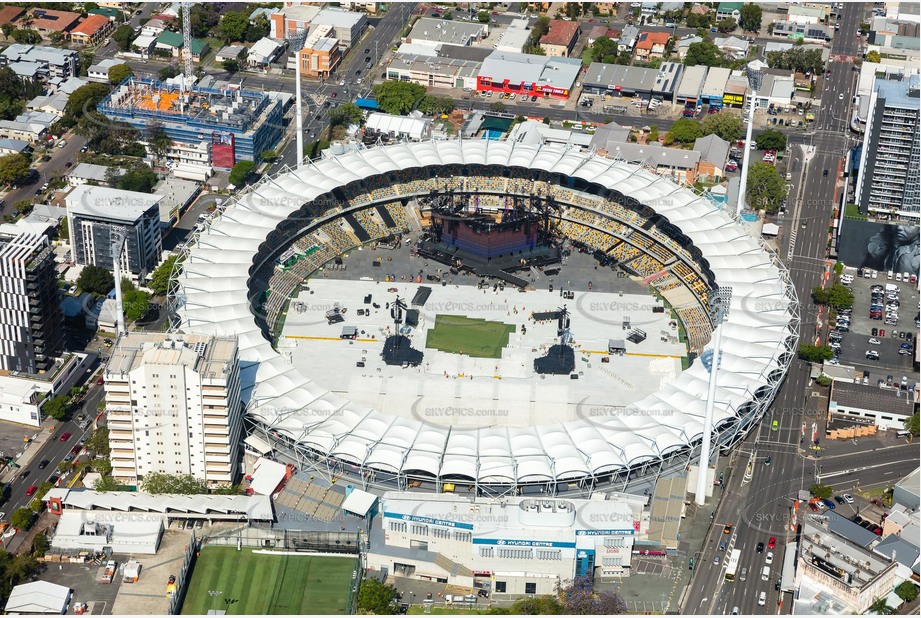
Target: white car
x,y
841,97
874,342
848,498
769,558
762,599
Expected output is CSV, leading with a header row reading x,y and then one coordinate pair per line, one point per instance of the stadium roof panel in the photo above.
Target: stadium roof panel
x,y
288,401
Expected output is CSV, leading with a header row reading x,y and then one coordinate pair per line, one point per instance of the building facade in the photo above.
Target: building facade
x,y
174,407
31,322
560,38
92,30
888,182
94,216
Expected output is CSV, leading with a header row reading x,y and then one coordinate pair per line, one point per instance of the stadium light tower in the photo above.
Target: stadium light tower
x,y
118,236
719,311
296,43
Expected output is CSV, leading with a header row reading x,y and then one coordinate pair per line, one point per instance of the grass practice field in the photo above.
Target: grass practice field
x,y
268,584
458,334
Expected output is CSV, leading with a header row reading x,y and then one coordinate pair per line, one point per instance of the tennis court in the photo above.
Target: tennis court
x,y
244,582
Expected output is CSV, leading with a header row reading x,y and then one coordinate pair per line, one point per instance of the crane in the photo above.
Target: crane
x,y
187,46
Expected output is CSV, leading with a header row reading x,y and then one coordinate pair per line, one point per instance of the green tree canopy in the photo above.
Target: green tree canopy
x,y
99,441
109,137
159,282
483,17
233,26
123,36
704,53
725,125
541,27
160,483
821,491
430,104
398,97
750,17
873,56
726,25
40,544
497,106
84,99
685,131
14,168
168,72
913,424
21,519
907,591
119,73
55,407
231,65
797,58
136,304
376,598
880,607
766,188
258,29
771,140
815,354
105,483
26,36
139,178
96,280
536,606
240,172
345,114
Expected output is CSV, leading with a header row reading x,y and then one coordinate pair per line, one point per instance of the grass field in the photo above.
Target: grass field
x,y
458,334
268,584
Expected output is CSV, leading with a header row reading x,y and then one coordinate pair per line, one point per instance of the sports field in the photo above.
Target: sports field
x,y
458,334
268,584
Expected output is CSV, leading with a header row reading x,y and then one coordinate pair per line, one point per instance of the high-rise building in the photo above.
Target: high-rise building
x,y
31,322
174,406
888,181
96,215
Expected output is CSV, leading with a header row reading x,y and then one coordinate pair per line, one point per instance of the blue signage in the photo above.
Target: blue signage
x,y
429,520
522,543
625,531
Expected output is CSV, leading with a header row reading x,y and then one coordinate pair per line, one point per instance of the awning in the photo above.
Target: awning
x,y
258,444
359,502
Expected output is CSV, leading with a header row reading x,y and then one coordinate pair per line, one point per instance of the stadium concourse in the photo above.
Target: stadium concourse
x,y
241,271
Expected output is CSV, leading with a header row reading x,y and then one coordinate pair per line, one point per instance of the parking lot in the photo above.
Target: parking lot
x,y
884,345
83,580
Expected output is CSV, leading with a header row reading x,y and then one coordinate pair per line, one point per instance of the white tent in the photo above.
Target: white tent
x,y
39,597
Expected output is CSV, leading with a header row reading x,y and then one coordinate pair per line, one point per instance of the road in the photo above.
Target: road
x,y
761,506
47,170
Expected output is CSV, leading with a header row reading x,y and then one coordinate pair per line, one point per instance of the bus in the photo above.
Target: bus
x,y
732,565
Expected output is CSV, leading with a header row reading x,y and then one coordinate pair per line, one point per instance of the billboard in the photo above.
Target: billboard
x,y
881,246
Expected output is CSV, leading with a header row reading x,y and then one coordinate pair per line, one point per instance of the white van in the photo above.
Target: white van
x,y
765,573
889,275
891,287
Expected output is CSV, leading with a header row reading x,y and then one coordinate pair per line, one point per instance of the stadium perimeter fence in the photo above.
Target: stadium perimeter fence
x,y
182,580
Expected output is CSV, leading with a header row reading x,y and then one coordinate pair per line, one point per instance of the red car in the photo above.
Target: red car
x,y
772,543
65,437
31,490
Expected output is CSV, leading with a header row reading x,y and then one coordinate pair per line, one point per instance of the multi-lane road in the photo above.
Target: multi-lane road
x,y
761,507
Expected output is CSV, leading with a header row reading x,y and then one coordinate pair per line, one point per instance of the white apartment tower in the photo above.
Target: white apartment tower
x,y
174,406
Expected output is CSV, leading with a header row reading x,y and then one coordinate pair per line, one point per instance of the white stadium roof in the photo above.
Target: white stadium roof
x,y
760,326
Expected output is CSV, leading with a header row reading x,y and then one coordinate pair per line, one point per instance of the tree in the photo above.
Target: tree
x,y
158,140
56,407
65,466
123,35
483,17
750,17
119,73
766,188
685,131
231,65
913,424
105,483
821,491
84,99
771,140
258,29
430,104
21,519
7,29
398,97
96,280
141,179
535,606
653,134
375,597
840,297
815,354
725,125
907,591
240,172
102,466
40,544
703,22
136,304
797,58
604,50
873,56
160,483
880,607
108,136
159,282
726,25
14,168
581,598
233,26
704,53
99,441
26,36
168,72
540,28
497,106
345,114
546,121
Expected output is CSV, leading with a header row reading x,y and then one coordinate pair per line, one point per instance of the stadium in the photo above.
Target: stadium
x,y
494,218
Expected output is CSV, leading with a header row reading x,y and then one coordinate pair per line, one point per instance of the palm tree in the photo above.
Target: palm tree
x,y
880,607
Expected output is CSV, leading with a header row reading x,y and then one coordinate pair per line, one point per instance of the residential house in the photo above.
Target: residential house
x,y
264,52
88,173
560,38
628,37
30,132
685,42
9,14
230,52
99,72
652,45
48,21
107,12
49,104
51,62
13,146
726,10
733,46
594,34
714,152
172,43
92,30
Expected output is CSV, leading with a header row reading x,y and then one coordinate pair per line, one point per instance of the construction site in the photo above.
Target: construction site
x,y
239,124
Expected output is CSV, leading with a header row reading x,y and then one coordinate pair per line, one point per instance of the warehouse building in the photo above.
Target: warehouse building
x,y
528,75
